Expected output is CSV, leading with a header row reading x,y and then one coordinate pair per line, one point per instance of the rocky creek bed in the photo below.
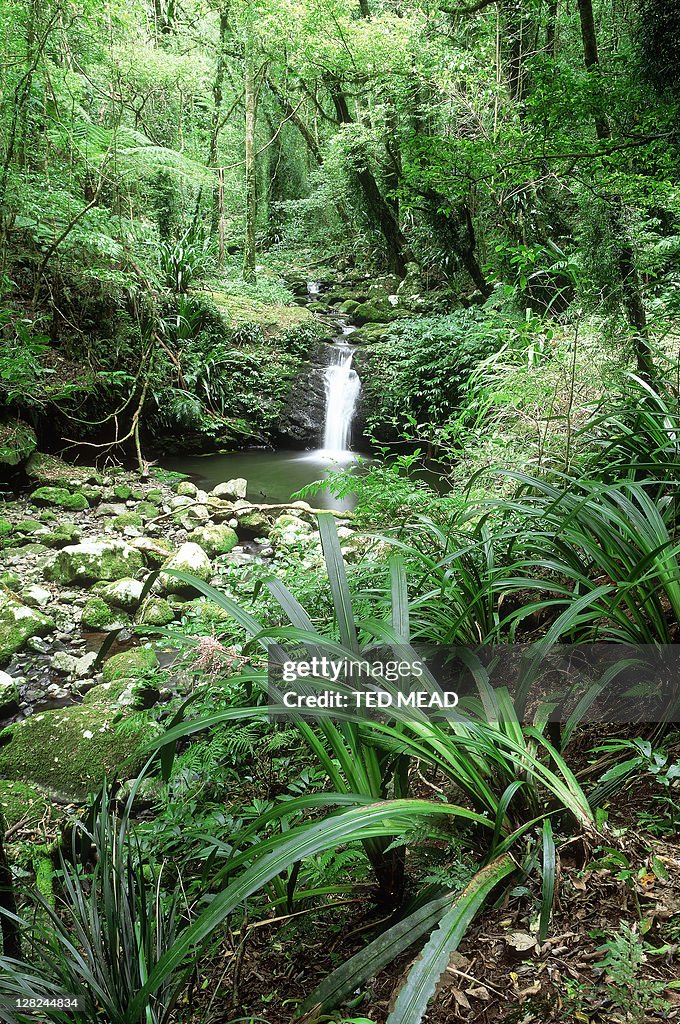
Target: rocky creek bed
x,y
76,550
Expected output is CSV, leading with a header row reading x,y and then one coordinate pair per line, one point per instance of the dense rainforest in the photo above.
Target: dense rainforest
x,y
339,531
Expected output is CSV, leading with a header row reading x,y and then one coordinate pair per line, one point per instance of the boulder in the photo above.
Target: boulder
x,y
253,522
65,533
126,519
138,661
71,750
35,596
125,593
18,623
99,617
215,540
189,558
156,612
230,489
186,489
48,469
60,497
155,550
93,561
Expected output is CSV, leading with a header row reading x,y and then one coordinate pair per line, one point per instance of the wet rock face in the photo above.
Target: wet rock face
x,y
300,423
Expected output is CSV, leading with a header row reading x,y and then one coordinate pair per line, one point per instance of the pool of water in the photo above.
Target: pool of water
x,y
273,476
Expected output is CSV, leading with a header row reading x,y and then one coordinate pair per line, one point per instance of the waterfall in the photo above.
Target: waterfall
x,y
342,391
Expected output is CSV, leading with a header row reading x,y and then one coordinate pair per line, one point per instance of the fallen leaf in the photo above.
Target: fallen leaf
x,y
521,941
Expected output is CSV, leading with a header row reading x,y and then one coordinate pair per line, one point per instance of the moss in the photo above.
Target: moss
x,y
130,693
10,580
273,318
17,441
147,510
44,873
17,624
154,496
140,661
72,750
48,469
98,616
215,540
126,519
28,526
5,528
93,561
60,497
156,612
64,534
22,803
122,492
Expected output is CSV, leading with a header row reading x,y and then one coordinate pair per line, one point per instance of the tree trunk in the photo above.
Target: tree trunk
x,y
249,254
630,281
218,96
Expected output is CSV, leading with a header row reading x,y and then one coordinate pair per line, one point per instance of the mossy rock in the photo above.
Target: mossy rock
x,y
99,617
60,497
372,313
29,526
140,661
123,693
191,559
48,469
156,612
147,510
18,623
154,496
9,580
371,334
92,493
215,540
93,561
72,750
122,492
253,522
127,519
17,442
62,536
125,593
348,306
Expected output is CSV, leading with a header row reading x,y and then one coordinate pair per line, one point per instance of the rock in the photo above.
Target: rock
x,y
109,509
17,441
235,488
84,665
253,522
35,596
122,492
139,661
9,580
156,612
154,550
125,593
190,558
60,497
120,522
215,540
124,693
186,489
18,623
63,663
93,561
64,534
154,496
31,526
71,750
289,530
147,510
25,805
99,617
9,696
48,469
195,514
56,692
92,493
180,502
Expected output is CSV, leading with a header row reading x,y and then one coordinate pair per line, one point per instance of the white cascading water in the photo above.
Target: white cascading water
x,y
342,391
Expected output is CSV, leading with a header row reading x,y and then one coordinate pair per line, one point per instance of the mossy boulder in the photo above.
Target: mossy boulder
x,y
229,489
17,441
156,612
186,489
126,519
123,693
253,522
189,558
18,623
147,510
48,469
62,536
215,540
93,561
122,492
132,664
30,526
70,751
99,617
9,580
154,496
373,313
348,306
125,593
22,804
60,497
